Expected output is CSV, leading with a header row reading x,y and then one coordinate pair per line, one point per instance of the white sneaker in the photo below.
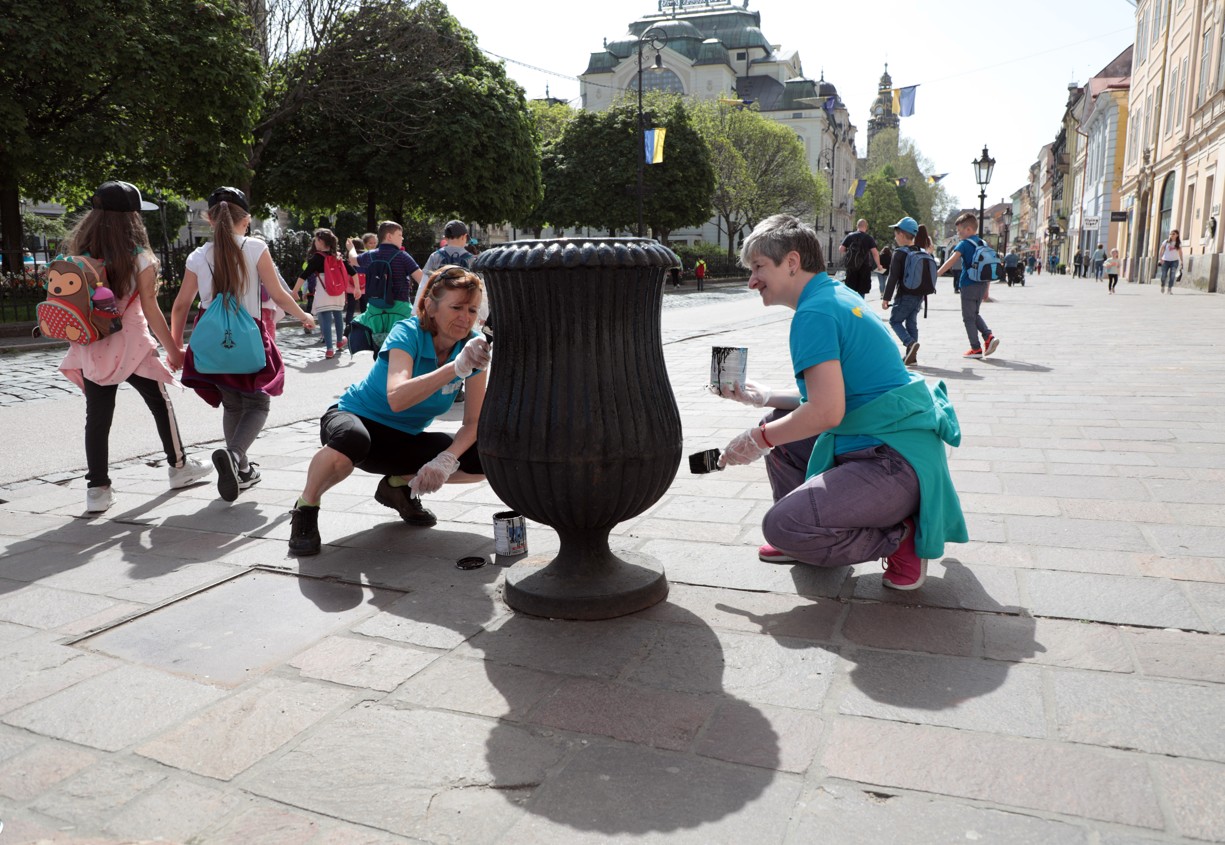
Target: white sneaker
x,y
98,499
188,474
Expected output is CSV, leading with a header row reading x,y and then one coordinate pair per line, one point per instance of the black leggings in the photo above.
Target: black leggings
x,y
100,411
383,450
1114,280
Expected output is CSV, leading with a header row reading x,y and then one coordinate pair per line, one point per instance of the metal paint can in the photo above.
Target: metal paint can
x,y
509,533
728,365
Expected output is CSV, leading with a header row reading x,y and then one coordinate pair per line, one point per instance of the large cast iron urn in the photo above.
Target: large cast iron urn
x,y
579,429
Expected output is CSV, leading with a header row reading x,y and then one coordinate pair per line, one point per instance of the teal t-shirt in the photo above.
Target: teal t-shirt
x,y
368,398
832,323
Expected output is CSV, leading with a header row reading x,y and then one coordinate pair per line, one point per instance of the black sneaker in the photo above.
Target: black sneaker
x,y
227,474
403,502
912,354
304,531
248,479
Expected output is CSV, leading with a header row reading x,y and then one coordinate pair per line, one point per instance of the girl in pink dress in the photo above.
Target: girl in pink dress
x,y
113,232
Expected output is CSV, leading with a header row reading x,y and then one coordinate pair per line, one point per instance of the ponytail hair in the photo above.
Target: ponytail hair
x,y
329,240
922,240
229,266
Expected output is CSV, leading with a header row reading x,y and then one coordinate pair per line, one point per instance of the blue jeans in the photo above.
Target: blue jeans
x,y
904,318
330,321
848,514
1097,269
1169,269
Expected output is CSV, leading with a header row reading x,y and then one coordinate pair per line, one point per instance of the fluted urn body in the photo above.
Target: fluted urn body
x,y
580,429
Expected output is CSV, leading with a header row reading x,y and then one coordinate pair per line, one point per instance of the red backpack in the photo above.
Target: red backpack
x,y
335,276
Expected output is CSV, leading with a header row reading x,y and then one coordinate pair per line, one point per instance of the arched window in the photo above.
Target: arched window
x,y
1167,207
659,80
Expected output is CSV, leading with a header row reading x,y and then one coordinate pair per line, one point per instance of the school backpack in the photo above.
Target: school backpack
x,y
335,276
79,308
227,339
378,282
919,273
985,265
462,258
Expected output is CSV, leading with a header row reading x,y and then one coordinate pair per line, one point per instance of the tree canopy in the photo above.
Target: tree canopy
x,y
456,141
171,103
761,168
906,166
594,172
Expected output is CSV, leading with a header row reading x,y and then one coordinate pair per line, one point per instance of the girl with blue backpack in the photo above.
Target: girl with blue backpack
x,y
231,361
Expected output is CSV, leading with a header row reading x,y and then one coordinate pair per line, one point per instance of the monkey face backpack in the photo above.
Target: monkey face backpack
x,y
79,308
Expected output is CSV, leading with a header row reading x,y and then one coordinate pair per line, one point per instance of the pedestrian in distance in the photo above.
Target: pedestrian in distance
x,y
357,285
112,232
912,277
973,291
1111,266
886,257
228,273
454,251
333,284
1012,265
856,456
699,272
380,424
1099,261
1171,261
862,257
1076,264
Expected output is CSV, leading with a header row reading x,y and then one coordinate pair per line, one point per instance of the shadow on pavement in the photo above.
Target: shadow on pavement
x,y
887,670
1020,366
936,372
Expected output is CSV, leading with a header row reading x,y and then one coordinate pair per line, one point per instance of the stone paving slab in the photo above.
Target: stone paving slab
x,y
1057,679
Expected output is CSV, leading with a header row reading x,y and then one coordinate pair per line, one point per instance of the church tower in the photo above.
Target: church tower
x,y
882,110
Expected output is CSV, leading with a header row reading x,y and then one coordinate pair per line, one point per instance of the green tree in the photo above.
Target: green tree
x,y
170,103
881,206
551,120
761,169
922,200
596,169
468,150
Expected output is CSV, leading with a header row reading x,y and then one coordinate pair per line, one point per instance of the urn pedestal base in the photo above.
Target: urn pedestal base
x,y
600,586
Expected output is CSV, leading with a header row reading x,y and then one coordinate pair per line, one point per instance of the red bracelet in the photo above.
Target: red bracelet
x,y
765,439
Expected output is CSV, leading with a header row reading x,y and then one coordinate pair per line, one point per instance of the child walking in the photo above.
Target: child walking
x,y
113,233
235,265
1111,268
327,307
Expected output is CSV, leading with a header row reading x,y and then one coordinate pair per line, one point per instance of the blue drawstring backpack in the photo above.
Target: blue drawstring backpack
x,y
227,340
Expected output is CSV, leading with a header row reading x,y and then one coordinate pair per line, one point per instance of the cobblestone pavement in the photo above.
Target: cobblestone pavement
x,y
34,374
1058,679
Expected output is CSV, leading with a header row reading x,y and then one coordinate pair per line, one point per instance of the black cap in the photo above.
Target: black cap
x,y
454,229
224,194
120,196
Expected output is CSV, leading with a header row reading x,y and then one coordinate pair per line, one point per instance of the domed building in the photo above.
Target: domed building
x,y
712,49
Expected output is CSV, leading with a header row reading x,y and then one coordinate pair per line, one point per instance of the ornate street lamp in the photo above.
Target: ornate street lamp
x,y
656,39
982,175
826,160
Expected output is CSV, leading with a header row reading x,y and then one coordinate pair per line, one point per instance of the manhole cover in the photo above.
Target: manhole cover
x,y
241,627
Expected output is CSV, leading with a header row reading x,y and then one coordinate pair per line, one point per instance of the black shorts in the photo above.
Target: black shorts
x,y
383,450
859,281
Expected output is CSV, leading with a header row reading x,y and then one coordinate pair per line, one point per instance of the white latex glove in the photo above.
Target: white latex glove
x,y
749,393
474,356
431,477
742,450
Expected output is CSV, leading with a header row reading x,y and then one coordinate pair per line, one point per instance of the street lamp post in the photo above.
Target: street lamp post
x,y
655,38
826,160
982,175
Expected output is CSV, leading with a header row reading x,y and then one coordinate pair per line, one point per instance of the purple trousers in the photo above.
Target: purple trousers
x,y
849,514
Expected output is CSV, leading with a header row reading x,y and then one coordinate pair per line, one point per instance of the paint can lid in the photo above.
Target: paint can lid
x,y
473,562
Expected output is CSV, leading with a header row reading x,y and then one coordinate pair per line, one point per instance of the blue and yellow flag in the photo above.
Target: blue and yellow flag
x,y
655,145
903,101
857,188
935,177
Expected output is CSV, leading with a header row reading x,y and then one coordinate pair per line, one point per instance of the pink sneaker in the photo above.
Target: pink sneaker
x,y
904,569
769,554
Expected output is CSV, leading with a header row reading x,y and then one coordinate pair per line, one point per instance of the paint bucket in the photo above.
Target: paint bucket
x,y
509,533
728,365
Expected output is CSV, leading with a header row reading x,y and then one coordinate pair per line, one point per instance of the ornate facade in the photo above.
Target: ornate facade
x,y
715,50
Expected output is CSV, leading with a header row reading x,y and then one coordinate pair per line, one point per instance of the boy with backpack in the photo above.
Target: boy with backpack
x,y
979,268
455,233
912,274
392,277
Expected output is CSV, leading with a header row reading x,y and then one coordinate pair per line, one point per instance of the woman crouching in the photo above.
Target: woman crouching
x,y
379,425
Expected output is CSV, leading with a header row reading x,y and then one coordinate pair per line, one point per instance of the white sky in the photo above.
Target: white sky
x,y
1005,87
